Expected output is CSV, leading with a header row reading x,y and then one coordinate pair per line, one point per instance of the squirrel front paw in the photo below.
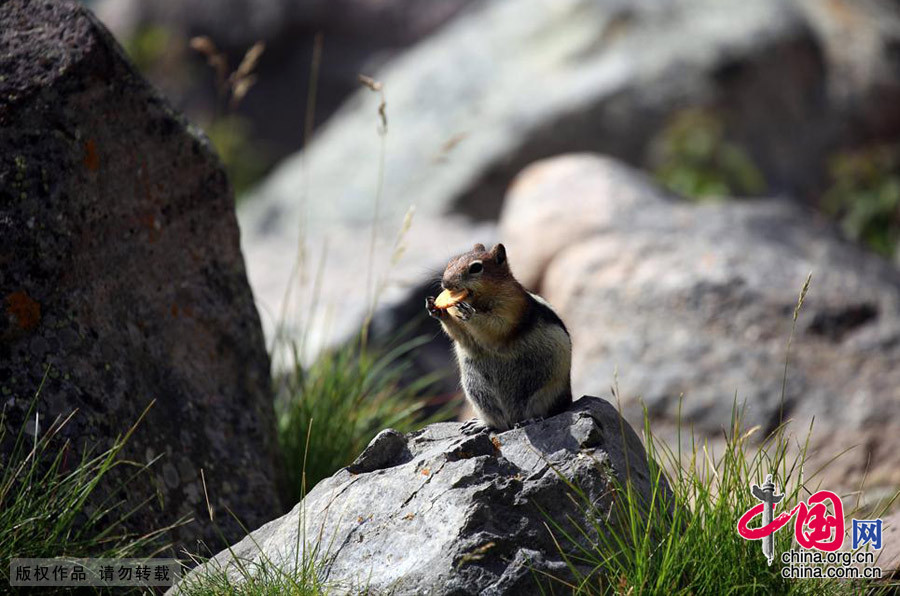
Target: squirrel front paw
x,y
433,311
464,311
473,426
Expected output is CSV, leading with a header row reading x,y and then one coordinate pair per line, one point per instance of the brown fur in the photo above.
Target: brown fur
x,y
495,292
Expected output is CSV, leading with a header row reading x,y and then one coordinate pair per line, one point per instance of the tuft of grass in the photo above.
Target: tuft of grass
x,y
264,577
243,157
47,507
332,409
865,196
148,46
684,540
257,579
694,159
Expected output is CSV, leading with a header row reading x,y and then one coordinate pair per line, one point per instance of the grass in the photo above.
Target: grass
x,y
147,46
685,540
864,196
693,157
332,410
264,577
244,158
306,575
50,504
257,579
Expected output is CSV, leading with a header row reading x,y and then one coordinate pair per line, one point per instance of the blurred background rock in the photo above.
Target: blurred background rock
x,y
358,36
834,58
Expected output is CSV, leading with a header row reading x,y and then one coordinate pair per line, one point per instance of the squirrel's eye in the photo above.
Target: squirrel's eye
x,y
476,267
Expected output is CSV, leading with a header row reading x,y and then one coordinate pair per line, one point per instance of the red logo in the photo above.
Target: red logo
x,y
814,527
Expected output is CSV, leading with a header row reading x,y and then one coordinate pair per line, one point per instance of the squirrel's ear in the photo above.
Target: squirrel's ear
x,y
499,254
479,248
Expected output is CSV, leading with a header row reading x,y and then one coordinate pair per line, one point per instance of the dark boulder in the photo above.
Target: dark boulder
x,y
121,274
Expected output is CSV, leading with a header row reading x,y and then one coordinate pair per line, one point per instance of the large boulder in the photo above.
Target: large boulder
x,y
507,83
692,305
121,274
439,512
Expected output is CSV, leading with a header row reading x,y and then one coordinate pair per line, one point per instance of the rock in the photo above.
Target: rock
x,y
697,301
505,84
591,194
889,559
861,41
358,36
454,514
121,274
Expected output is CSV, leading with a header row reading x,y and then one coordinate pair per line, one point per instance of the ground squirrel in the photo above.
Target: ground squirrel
x,y
514,351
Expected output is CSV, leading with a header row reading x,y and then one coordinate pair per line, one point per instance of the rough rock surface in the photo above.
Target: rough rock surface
x,y
439,512
121,271
698,300
507,83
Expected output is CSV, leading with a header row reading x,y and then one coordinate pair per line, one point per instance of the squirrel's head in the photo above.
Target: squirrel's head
x,y
477,270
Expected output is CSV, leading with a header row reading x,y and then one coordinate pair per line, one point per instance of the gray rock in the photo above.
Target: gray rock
x,y
697,300
860,40
889,558
557,203
455,514
508,83
121,271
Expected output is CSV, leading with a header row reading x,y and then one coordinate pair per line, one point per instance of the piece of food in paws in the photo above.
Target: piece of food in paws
x,y
448,298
